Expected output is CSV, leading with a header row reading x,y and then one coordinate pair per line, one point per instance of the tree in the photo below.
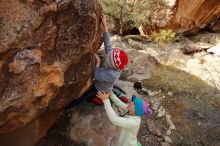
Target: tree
x,y
133,12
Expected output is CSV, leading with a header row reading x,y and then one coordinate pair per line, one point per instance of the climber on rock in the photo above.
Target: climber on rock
x,y
107,70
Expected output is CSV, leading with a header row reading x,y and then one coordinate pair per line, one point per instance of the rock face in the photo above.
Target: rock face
x,y
186,16
86,124
192,15
91,126
46,56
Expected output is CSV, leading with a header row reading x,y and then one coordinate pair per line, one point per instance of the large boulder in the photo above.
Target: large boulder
x,y
185,16
192,15
46,57
86,124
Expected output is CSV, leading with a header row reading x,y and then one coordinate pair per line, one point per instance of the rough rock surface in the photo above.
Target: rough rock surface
x,y
46,56
86,124
90,125
186,16
192,15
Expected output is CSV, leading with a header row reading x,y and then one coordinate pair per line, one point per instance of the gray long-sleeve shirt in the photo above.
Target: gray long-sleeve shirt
x,y
106,76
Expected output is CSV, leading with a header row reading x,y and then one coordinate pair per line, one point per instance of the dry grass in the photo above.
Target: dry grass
x,y
175,80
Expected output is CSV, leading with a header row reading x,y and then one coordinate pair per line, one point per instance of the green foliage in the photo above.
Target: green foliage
x,y
134,12
214,41
164,36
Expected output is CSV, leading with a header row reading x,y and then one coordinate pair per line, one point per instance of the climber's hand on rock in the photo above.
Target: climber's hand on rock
x,y
104,23
98,60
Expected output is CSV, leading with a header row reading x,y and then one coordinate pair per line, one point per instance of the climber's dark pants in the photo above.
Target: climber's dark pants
x,y
89,94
